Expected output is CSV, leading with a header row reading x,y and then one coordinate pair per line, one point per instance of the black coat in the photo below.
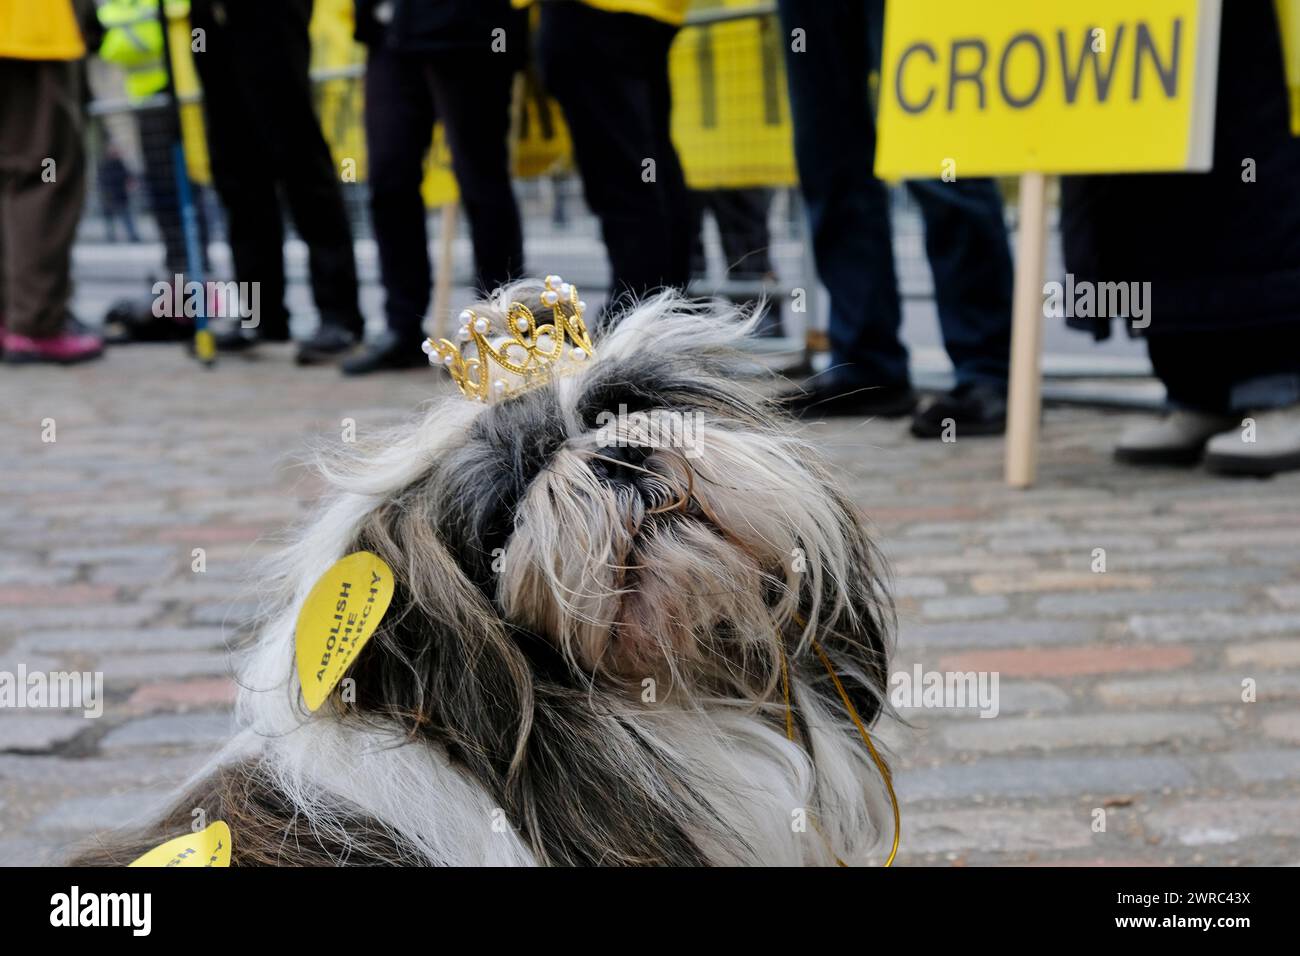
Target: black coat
x,y
431,26
1219,252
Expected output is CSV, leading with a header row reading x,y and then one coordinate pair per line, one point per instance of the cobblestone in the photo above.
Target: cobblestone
x,y
1098,730
1120,690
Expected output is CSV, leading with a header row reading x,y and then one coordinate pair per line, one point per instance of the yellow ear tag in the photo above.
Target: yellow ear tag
x,y
209,847
341,612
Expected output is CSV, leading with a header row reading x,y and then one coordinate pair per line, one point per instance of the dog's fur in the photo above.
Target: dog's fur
x,y
582,663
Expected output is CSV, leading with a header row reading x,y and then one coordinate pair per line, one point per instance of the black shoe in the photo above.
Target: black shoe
x,y
236,338
824,399
329,342
132,320
386,353
973,410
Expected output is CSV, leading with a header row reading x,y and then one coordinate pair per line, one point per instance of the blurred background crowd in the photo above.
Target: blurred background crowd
x,y
721,147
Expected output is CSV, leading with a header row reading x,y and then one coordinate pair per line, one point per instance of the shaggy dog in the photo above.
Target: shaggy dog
x,y
604,647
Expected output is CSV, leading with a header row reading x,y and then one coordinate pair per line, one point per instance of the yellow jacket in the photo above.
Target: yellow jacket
x,y
669,11
39,30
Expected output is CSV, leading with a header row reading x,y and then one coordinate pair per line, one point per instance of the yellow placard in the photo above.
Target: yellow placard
x,y
1051,86
731,113
208,847
337,619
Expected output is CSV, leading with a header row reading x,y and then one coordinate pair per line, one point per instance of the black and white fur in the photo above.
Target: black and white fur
x,y
582,661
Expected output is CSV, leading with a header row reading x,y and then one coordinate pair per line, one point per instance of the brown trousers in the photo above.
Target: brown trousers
x,y
42,190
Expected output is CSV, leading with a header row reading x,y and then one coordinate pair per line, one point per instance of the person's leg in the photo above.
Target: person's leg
x,y
1191,382
1213,380
671,176
742,226
1264,398
399,121
243,176
43,168
1229,371
128,223
157,126
848,208
966,243
609,107
701,202
276,51
472,92
741,215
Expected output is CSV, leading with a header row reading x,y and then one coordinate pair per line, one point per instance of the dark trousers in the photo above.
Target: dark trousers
x,y
609,72
42,191
157,133
848,211
470,92
1222,371
264,139
741,215
120,211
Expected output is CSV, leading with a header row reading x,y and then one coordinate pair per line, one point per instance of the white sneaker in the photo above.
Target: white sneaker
x,y
1262,444
1177,439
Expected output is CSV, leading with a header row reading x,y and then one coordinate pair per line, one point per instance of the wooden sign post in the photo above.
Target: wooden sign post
x,y
1024,388
1035,88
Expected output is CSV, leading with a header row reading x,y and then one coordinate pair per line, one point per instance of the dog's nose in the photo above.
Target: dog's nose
x,y
619,463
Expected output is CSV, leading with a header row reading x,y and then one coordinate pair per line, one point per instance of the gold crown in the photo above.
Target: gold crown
x,y
524,353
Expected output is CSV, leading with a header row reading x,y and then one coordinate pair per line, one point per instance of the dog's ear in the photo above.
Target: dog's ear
x,y
855,627
442,665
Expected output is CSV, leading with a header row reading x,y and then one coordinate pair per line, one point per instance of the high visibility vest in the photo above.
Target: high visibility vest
x,y
45,30
669,11
133,40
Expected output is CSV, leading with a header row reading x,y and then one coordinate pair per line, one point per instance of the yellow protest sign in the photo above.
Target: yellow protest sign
x,y
1051,86
337,619
208,847
731,115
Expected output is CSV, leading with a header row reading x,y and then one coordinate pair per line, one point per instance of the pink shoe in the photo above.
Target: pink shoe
x,y
73,344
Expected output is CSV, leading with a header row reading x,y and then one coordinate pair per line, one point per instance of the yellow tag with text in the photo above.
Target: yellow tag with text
x,y
341,612
208,847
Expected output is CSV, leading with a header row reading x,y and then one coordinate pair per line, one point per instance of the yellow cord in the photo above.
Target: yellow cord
x,y
871,748
862,729
785,688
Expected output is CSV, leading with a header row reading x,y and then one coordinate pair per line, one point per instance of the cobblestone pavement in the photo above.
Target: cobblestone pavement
x,y
1120,691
